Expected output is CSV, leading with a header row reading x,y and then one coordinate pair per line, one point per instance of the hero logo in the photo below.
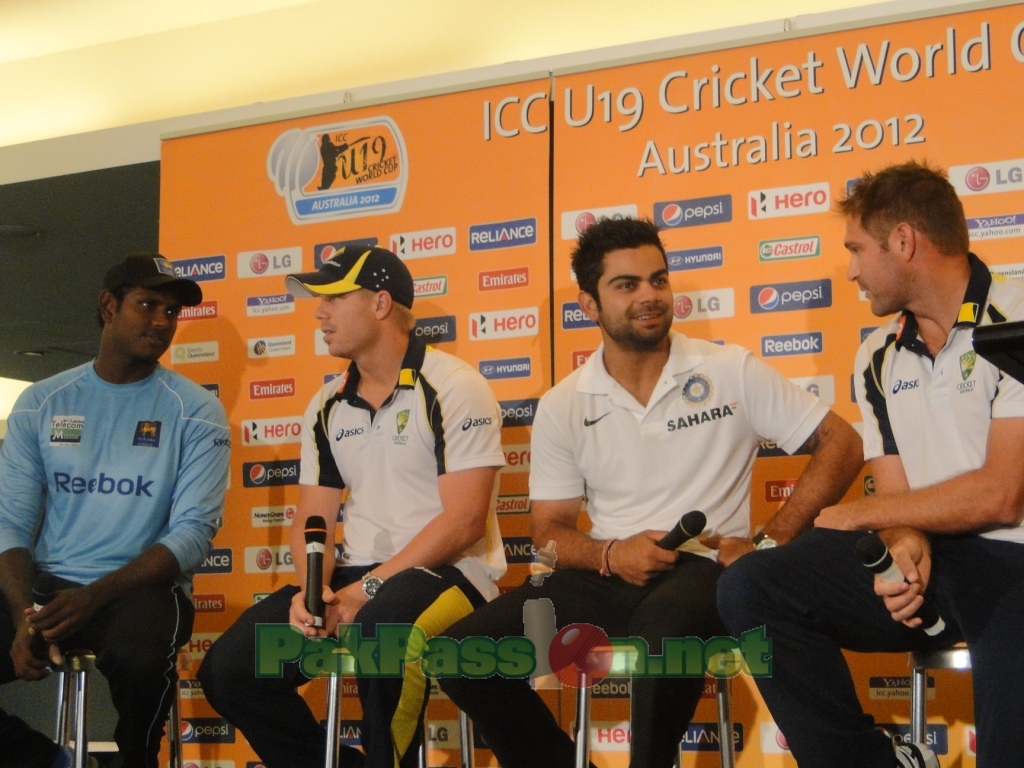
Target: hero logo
x,y
504,234
427,242
434,330
203,268
518,413
701,305
218,561
504,324
791,344
264,473
261,390
517,458
509,368
287,429
200,643
269,559
207,730
809,294
788,201
575,223
280,261
985,178
573,317
693,212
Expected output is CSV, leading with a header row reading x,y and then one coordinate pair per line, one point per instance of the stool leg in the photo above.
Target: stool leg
x,y
174,730
467,754
333,752
582,729
81,678
63,726
918,693
424,761
725,745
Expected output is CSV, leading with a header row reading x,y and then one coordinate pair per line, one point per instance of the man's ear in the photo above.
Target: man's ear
x,y
903,241
589,306
108,306
382,304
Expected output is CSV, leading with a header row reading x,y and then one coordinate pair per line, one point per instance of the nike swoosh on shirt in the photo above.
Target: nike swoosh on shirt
x,y
591,422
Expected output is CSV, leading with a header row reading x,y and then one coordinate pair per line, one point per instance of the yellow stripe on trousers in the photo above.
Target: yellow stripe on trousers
x,y
450,606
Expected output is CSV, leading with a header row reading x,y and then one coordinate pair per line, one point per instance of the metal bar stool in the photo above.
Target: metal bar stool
x,y
955,657
332,754
581,731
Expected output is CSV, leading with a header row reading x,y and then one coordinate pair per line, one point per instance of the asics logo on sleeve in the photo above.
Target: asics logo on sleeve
x,y
124,486
591,422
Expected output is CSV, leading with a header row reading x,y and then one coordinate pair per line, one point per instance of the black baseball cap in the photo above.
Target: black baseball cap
x,y
352,268
151,270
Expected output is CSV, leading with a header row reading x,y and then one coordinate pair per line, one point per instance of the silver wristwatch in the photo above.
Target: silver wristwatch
x,y
371,585
764,541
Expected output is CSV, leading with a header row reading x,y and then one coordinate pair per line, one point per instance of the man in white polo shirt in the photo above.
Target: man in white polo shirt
x,y
652,426
944,433
414,435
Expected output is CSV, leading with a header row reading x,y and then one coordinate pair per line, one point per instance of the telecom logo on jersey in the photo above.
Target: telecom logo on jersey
x,y
694,212
504,324
575,223
784,297
426,242
279,261
788,201
502,234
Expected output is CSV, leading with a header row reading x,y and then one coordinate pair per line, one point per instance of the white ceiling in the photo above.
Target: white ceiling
x,y
71,66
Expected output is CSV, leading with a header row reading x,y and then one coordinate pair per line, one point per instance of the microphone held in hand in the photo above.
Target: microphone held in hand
x,y
316,539
690,525
876,558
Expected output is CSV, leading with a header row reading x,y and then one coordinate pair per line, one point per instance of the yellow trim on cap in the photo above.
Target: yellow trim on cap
x,y
347,284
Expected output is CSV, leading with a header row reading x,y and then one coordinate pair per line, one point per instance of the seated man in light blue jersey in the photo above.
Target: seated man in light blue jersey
x,y
112,479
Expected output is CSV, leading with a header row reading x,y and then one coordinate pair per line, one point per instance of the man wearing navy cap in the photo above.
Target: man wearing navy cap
x,y
112,479
414,435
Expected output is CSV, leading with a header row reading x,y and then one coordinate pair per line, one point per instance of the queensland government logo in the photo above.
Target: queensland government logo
x,y
340,170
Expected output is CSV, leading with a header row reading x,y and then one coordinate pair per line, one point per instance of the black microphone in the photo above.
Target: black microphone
x,y
44,589
875,556
691,524
316,538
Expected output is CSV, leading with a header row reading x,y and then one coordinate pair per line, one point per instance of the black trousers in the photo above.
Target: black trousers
x,y
514,720
135,640
277,722
814,597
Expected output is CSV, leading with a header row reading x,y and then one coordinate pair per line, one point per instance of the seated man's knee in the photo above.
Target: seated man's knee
x,y
739,589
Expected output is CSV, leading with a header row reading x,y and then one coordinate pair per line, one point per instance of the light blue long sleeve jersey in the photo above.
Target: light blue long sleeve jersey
x,y
93,473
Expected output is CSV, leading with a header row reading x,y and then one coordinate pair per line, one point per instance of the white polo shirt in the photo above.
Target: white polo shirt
x,y
935,413
691,447
442,417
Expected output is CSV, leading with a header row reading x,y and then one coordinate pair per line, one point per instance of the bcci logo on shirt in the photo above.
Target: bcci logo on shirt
x,y
147,434
697,389
66,430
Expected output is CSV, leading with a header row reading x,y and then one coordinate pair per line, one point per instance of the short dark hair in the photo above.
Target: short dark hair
x,y
603,237
914,193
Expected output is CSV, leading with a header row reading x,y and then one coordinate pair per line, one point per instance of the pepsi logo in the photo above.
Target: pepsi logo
x,y
186,730
781,740
259,263
672,214
977,178
682,306
257,473
585,221
326,252
768,298
264,559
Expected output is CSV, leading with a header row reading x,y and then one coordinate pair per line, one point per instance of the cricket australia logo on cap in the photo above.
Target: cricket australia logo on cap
x,y
66,430
697,389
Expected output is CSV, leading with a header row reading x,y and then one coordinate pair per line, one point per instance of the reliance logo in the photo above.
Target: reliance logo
x,y
200,269
503,234
573,317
